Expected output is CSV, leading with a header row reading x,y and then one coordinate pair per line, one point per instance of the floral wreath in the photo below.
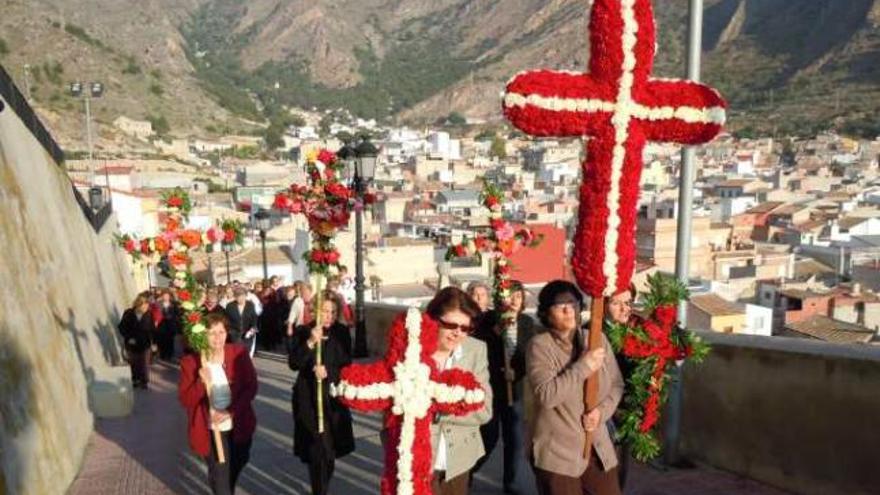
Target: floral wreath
x,y
654,346
409,388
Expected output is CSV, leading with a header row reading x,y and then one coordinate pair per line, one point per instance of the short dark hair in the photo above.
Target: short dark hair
x,y
451,299
550,292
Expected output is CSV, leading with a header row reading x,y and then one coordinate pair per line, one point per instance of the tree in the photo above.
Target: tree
x,y
273,138
160,124
498,148
456,118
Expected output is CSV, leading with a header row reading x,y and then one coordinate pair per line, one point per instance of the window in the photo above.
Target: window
x,y
728,329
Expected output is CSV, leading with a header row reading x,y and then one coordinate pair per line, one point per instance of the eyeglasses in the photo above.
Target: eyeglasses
x,y
572,305
465,329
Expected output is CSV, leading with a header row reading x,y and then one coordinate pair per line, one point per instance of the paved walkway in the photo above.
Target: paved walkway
x,y
146,453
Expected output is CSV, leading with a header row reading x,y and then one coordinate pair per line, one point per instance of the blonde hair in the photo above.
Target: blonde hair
x,y
140,300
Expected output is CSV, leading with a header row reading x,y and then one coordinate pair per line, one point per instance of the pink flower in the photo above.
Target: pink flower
x,y
505,233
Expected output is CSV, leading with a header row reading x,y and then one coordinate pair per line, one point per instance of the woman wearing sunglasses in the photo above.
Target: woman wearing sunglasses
x,y
557,365
456,441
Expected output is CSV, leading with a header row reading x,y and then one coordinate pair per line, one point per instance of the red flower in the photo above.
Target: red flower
x,y
491,201
369,198
184,295
178,259
497,223
317,256
213,235
175,201
162,245
337,190
460,251
229,236
282,202
326,157
191,238
332,257
194,317
130,245
666,315
145,246
171,224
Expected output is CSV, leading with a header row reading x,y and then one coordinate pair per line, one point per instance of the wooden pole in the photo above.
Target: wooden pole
x,y
318,361
591,386
218,438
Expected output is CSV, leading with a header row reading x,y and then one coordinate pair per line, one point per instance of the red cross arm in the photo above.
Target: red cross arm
x,y
354,388
558,104
454,378
688,112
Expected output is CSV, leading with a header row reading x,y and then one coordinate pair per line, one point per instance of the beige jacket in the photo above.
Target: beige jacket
x,y
556,429
464,445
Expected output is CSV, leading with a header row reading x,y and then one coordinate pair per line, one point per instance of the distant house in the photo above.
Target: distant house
x,y
711,312
461,202
843,229
141,129
827,329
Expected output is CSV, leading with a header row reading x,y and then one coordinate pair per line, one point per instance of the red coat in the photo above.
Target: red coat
x,y
192,393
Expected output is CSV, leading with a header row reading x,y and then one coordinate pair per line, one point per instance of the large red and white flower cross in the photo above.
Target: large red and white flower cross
x,y
621,107
409,388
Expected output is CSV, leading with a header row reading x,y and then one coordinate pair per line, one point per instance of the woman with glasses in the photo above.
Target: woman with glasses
x,y
456,441
557,365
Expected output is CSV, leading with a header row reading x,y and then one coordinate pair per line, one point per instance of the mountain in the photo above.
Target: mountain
x,y
791,66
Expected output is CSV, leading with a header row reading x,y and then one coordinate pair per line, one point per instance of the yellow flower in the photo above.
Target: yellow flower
x,y
312,156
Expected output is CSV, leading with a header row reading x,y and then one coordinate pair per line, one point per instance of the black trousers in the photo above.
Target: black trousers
x,y
322,462
223,477
506,423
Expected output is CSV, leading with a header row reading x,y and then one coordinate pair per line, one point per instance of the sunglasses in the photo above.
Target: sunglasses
x,y
465,329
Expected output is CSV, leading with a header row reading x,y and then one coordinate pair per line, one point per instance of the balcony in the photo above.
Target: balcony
x,y
795,414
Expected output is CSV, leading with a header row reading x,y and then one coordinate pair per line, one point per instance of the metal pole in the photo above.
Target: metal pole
x,y
265,266
683,237
89,139
360,329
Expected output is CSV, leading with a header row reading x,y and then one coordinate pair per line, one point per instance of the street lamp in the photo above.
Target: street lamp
x,y
263,222
95,89
227,248
360,168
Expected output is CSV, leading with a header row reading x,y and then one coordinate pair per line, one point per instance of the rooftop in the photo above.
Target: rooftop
x,y
716,306
830,330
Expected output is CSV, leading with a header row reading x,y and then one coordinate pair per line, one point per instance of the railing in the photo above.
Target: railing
x,y
18,103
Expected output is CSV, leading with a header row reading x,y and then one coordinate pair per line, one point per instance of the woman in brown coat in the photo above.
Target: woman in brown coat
x,y
557,366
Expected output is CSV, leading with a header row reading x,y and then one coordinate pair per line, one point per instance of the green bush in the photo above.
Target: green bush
x,y
4,48
84,36
156,89
160,124
131,67
53,71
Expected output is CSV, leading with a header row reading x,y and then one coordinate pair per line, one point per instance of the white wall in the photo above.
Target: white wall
x,y
759,320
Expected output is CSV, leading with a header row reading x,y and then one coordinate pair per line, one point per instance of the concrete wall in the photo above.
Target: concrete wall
x,y
793,413
63,290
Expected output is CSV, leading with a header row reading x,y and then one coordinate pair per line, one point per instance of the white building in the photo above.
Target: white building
x,y
141,129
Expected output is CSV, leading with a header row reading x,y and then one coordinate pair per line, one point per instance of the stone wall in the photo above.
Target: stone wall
x,y
63,290
794,413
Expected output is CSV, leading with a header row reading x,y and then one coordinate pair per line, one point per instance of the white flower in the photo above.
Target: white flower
x,y
180,275
198,328
188,305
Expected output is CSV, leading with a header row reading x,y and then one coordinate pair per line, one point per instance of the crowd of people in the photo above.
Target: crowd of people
x,y
534,378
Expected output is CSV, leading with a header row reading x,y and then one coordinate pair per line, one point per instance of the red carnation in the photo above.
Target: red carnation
x,y
666,314
496,223
229,236
282,202
460,251
145,246
175,201
491,201
184,295
213,235
326,157
332,257
317,256
130,245
194,317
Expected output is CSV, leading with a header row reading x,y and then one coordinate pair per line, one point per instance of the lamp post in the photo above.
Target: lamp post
x,y
227,248
94,90
360,167
263,222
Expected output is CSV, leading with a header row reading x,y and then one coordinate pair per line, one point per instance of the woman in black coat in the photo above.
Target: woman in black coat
x,y
320,451
137,331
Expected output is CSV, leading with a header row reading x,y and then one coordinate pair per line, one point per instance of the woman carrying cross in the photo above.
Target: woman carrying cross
x,y
322,426
557,364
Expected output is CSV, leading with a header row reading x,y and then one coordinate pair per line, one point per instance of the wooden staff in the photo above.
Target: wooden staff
x,y
318,360
591,386
218,438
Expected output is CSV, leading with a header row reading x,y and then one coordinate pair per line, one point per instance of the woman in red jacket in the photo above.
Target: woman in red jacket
x,y
233,381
